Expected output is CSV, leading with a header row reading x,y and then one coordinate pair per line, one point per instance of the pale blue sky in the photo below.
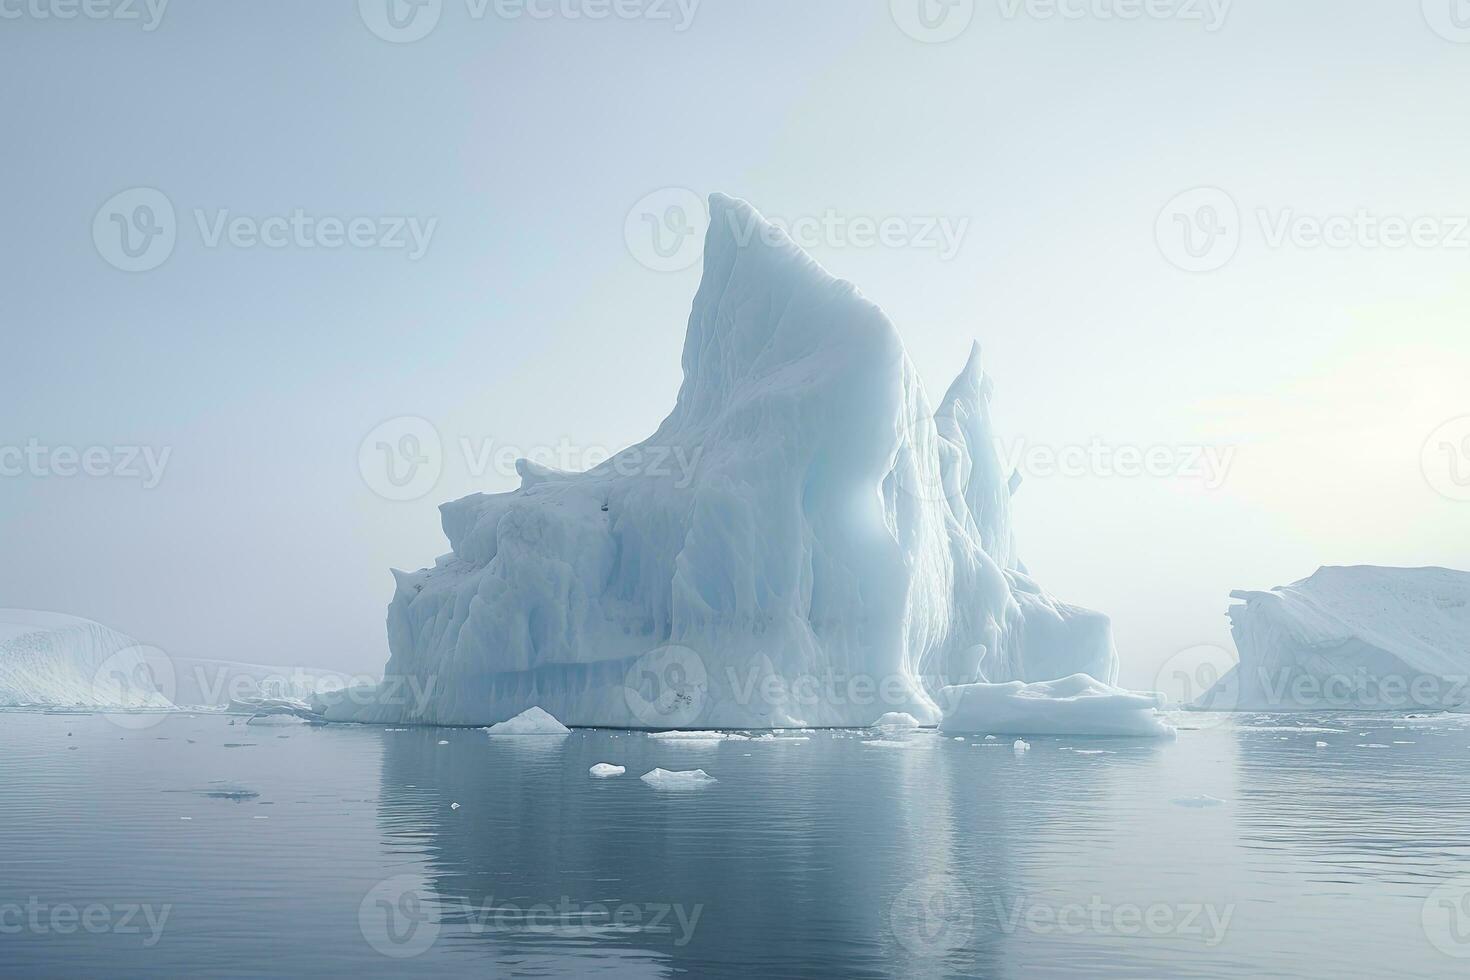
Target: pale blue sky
x,y
529,321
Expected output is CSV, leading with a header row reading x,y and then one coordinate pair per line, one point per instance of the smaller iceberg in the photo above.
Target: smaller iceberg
x,y
1361,637
1076,705
663,779
896,719
606,770
532,721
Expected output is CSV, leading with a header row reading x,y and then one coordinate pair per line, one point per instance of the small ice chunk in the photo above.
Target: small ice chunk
x,y
896,719
1021,746
1199,802
605,769
1321,745
454,806
444,741
532,721
990,738
664,779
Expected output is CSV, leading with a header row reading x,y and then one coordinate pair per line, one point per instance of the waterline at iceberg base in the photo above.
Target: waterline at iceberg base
x,y
835,532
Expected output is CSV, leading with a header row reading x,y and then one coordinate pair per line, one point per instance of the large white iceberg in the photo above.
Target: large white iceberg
x,y
805,541
1076,705
1351,637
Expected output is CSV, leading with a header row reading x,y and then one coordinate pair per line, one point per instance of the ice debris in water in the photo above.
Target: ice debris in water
x,y
1021,746
605,769
897,719
664,779
1198,802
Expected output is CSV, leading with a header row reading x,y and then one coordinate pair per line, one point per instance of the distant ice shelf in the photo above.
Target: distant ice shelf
x,y
1388,639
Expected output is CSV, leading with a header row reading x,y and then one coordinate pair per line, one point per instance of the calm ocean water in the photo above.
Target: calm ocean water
x,y
202,847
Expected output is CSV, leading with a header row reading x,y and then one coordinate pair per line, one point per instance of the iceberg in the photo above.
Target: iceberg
x,y
53,659
896,719
1076,705
1359,637
804,542
532,721
57,660
606,770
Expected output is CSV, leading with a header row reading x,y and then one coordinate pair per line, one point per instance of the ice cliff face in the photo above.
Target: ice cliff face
x,y
804,541
1360,637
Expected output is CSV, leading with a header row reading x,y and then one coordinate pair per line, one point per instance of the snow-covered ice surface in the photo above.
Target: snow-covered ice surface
x,y
804,518
1351,637
532,721
1076,705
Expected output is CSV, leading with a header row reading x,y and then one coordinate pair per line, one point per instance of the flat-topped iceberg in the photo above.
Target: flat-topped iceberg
x,y
1076,705
805,540
1387,639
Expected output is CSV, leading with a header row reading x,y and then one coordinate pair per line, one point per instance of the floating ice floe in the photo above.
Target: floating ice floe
x,y
1198,802
699,737
603,770
664,779
1020,746
532,721
1076,705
